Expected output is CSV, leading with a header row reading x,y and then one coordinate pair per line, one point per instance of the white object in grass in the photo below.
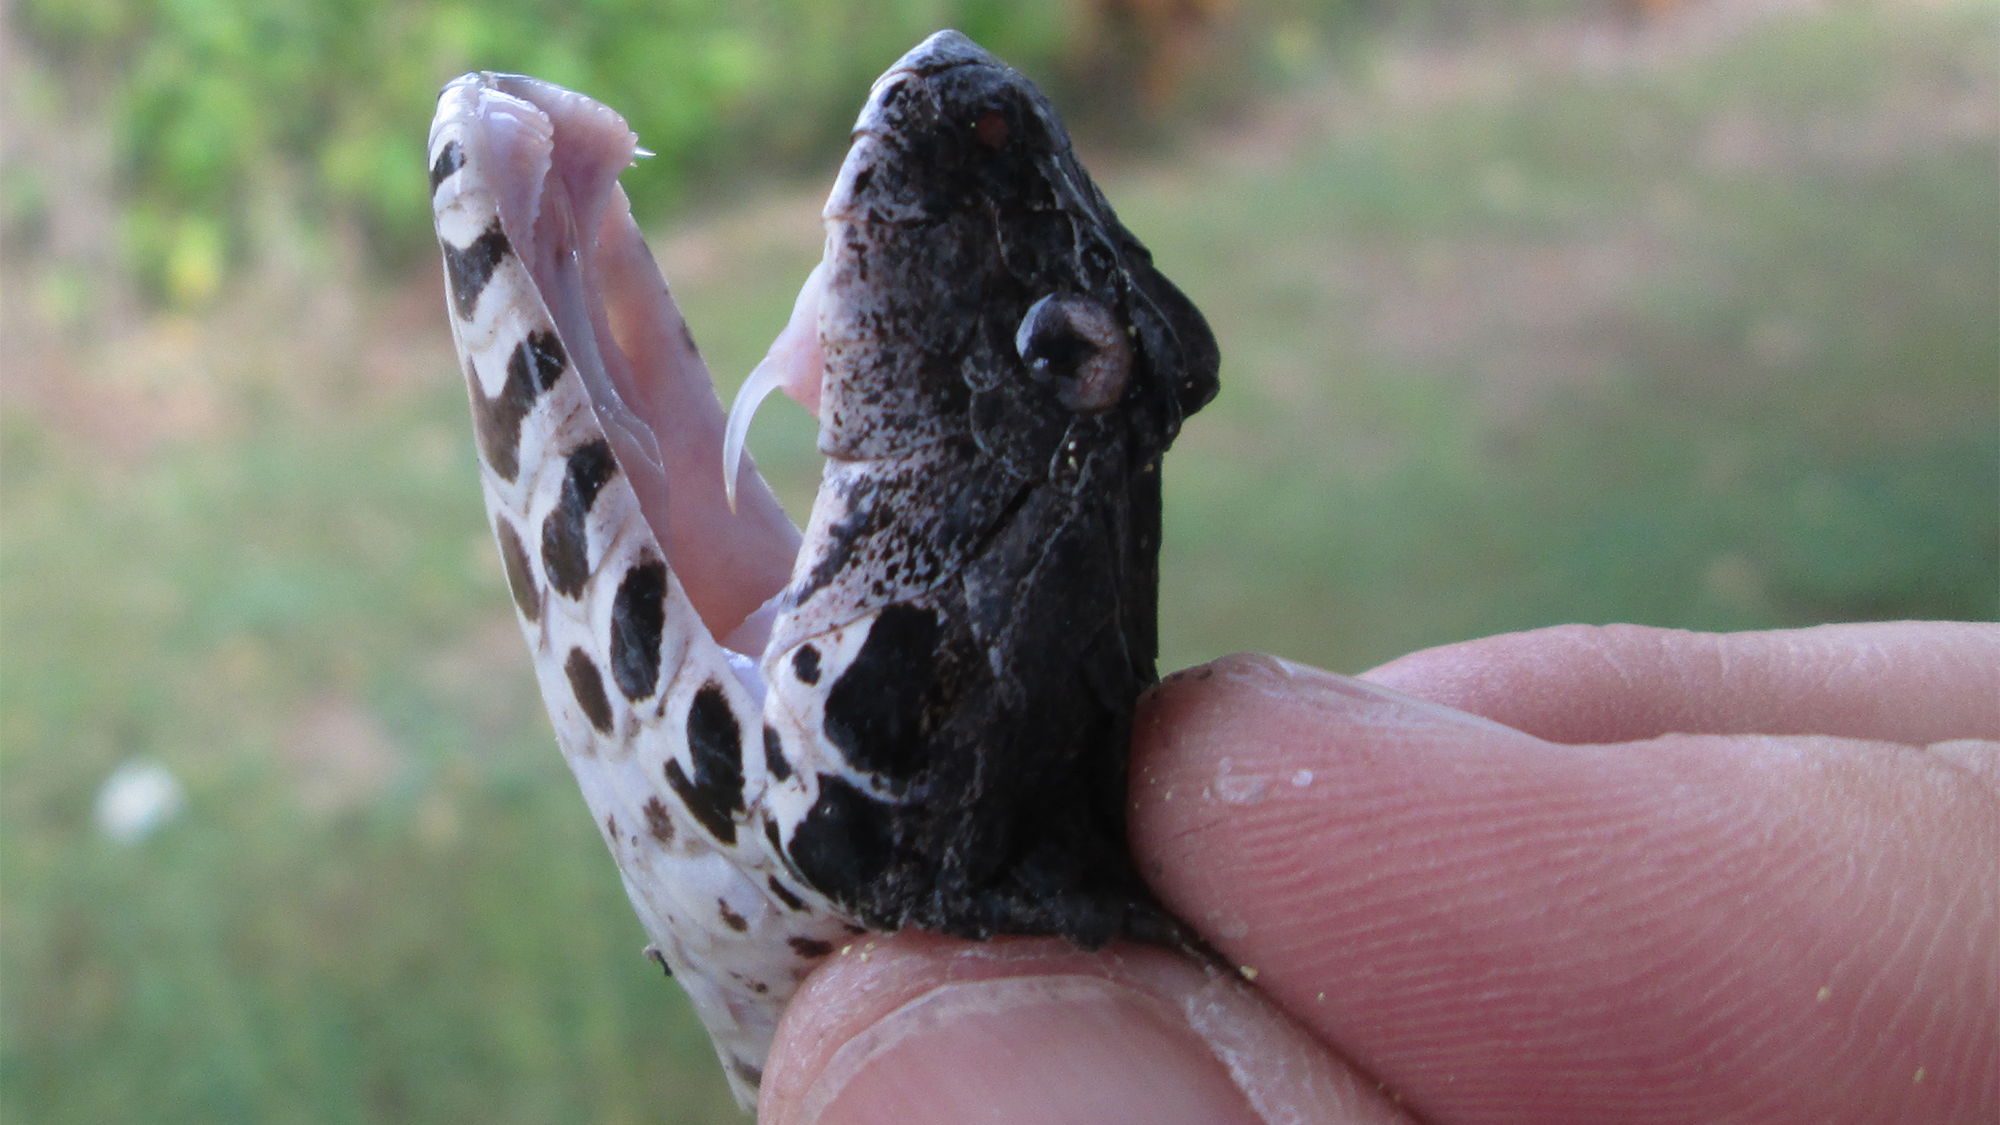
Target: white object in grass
x,y
138,798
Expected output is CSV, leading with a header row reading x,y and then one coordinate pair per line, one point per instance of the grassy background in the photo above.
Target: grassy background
x,y
1692,322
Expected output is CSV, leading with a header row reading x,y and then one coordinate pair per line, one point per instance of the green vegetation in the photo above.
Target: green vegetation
x,y
1697,329
216,101
227,116
219,106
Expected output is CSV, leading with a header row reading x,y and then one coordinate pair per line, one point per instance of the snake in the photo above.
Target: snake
x,y
916,712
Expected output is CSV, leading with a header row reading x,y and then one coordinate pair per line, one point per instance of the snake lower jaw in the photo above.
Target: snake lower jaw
x,y
549,160
599,434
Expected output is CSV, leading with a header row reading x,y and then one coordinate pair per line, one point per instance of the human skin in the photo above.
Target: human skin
x,y
1579,874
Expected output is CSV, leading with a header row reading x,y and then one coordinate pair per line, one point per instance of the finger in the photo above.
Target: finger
x,y
1906,681
1504,929
916,1029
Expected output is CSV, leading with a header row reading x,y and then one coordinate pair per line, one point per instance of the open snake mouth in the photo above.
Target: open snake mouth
x,y
976,291
917,712
550,160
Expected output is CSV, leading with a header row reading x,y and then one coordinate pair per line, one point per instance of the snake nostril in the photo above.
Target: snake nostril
x,y
992,129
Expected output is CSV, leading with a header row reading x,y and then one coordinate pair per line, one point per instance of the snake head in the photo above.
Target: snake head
x,y
961,207
972,614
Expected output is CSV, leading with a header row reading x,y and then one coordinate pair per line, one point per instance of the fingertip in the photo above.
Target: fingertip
x,y
915,1029
1914,682
1497,924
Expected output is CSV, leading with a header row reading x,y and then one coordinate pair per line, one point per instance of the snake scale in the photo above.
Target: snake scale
x,y
916,714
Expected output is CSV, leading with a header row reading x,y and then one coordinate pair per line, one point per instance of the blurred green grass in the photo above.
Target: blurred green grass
x,y
1578,322
1705,344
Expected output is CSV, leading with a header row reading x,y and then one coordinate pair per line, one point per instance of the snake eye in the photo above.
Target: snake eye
x,y
1076,345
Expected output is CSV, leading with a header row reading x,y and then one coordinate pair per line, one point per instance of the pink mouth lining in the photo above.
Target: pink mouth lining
x,y
552,157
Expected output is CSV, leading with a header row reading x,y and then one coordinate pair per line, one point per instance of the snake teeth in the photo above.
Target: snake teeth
x,y
793,365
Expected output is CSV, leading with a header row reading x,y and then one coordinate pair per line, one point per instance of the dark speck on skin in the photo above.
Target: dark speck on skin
x,y
807,947
545,356
658,824
729,917
718,822
791,901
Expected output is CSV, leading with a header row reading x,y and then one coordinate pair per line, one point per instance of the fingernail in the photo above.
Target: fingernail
x,y
1357,701
1045,1049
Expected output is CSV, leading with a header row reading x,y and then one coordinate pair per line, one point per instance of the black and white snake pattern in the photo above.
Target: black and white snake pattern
x,y
917,714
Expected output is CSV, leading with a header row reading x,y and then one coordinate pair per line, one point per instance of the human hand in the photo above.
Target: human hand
x,y
1747,877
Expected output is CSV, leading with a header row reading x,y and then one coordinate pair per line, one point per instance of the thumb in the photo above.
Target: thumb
x,y
912,1028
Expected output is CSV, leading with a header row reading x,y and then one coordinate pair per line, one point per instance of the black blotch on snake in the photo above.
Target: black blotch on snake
x,y
496,420
784,894
545,355
843,844
715,747
565,534
520,578
588,686
775,763
450,159
638,617
874,712
805,664
468,270
532,368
